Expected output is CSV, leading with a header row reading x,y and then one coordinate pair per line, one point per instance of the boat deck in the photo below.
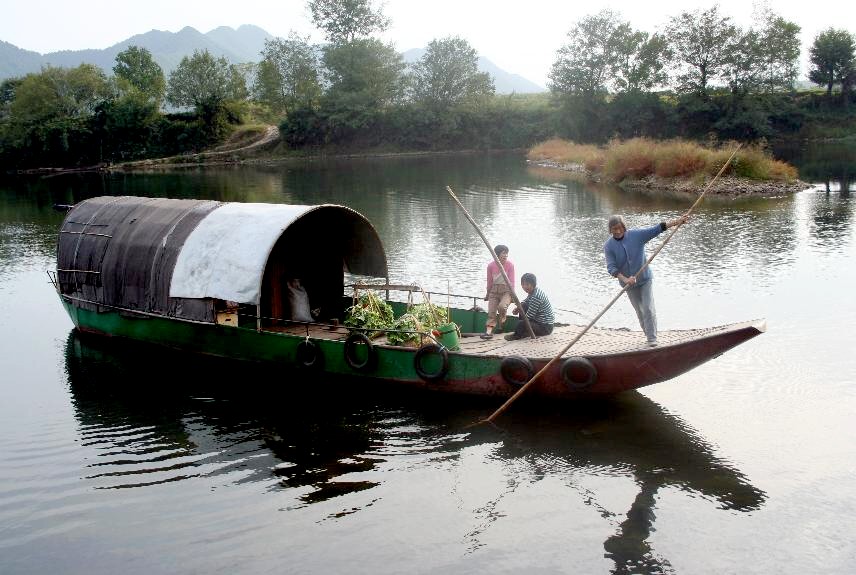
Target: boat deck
x,y
597,341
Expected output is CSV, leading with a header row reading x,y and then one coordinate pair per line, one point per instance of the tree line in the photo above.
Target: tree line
x,y
701,76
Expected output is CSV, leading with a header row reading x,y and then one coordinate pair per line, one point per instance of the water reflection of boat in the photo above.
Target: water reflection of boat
x,y
214,278
311,444
156,425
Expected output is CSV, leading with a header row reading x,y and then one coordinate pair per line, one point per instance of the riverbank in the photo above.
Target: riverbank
x,y
672,167
724,186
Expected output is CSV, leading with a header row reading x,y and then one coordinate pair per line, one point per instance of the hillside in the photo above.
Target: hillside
x,y
167,48
240,45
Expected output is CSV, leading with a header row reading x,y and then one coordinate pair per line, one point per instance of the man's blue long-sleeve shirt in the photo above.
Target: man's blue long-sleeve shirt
x,y
628,254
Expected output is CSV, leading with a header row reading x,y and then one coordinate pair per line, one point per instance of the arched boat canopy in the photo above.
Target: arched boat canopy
x,y
173,257
225,256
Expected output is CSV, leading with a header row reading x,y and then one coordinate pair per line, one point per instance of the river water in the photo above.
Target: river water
x,y
120,458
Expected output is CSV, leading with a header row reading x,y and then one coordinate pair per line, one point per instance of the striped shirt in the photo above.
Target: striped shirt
x,y
538,307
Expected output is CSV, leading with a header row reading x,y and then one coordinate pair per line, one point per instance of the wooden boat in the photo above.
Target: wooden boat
x,y
211,277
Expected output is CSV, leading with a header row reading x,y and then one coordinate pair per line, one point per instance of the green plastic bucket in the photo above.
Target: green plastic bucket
x,y
449,334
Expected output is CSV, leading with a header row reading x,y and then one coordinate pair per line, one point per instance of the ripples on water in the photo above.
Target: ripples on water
x,y
148,418
140,460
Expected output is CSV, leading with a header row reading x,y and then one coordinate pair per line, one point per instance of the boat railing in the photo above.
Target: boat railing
x,y
410,289
308,325
53,279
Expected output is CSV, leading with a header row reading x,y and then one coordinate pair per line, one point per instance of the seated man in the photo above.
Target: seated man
x,y
537,308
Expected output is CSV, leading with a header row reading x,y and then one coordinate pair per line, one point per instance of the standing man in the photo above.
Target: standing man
x,y
625,256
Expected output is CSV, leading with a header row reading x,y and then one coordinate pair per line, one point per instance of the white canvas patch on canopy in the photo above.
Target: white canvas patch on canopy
x,y
225,256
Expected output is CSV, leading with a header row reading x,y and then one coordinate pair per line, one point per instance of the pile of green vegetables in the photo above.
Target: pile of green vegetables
x,y
373,316
370,314
422,318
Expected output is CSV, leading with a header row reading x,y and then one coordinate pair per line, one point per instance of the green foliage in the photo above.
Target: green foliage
x,y
207,84
127,123
447,75
602,87
407,330
640,62
503,122
203,80
367,71
702,42
373,316
421,319
370,314
136,69
583,119
50,115
344,21
778,52
583,66
288,77
365,76
8,87
304,127
833,59
635,113
59,93
745,120
429,315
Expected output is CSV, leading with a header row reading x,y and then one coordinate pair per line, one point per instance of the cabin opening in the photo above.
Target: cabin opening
x,y
306,271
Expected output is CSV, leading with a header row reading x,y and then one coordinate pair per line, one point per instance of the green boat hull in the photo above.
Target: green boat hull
x,y
465,373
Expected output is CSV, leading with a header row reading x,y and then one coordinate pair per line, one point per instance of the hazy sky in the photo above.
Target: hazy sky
x,y
519,36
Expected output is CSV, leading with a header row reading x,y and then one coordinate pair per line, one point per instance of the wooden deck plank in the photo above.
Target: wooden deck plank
x,y
597,341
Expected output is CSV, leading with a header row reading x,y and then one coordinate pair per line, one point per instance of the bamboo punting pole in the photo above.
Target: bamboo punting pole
x,y
496,259
535,377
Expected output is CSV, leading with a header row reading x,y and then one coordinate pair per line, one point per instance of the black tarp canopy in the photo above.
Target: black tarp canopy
x,y
174,257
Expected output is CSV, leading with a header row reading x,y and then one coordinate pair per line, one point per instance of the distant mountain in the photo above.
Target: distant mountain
x,y
504,82
167,48
16,62
240,45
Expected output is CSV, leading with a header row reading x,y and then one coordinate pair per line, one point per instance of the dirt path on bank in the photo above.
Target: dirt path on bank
x,y
221,154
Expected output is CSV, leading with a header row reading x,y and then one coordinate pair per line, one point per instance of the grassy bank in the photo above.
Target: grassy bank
x,y
641,158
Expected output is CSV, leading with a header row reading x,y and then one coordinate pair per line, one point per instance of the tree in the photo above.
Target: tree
x,y
640,58
344,21
7,95
288,74
584,65
51,115
778,51
56,93
136,68
367,67
832,59
743,71
447,75
364,76
702,43
206,83
126,125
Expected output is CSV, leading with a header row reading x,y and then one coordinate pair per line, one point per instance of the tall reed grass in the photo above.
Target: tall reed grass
x,y
565,152
641,157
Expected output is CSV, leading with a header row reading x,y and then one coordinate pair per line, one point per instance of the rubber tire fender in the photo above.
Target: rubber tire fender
x,y
513,363
308,354
424,351
575,364
350,347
